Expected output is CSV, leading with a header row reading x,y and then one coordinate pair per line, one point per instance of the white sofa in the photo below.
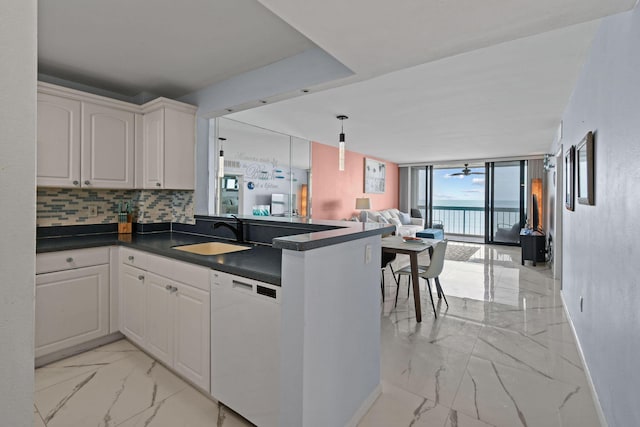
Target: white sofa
x,y
405,224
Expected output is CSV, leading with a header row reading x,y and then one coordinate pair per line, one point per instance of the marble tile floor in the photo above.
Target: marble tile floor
x,y
501,354
119,385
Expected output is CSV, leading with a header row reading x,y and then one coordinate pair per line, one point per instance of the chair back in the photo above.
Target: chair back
x,y
437,260
386,258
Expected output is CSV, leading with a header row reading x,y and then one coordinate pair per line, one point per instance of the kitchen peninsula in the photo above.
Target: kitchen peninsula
x,y
325,354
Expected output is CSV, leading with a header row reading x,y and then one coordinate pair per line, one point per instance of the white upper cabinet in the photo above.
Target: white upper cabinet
x,y
58,141
84,140
150,163
167,156
107,147
89,141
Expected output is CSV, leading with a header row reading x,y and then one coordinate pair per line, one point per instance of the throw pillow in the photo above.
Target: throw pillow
x,y
405,218
396,222
385,214
383,220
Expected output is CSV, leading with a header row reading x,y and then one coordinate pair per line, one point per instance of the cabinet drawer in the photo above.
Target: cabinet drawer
x,y
134,258
66,260
180,271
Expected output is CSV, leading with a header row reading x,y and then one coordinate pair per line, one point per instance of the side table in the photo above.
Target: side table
x,y
533,246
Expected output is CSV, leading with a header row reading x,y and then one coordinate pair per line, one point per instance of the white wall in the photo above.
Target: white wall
x,y
280,79
602,243
18,213
330,360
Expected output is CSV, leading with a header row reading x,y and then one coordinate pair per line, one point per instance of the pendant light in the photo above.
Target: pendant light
x,y
221,159
341,140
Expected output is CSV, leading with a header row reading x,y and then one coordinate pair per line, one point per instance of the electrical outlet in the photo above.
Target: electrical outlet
x,y
92,211
367,254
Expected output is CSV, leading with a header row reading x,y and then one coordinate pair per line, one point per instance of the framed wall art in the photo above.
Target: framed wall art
x,y
585,170
374,176
569,185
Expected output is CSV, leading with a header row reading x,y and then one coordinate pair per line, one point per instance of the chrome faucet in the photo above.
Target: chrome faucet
x,y
238,230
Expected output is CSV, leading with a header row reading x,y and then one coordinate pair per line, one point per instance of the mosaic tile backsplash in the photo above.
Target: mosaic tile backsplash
x,y
70,206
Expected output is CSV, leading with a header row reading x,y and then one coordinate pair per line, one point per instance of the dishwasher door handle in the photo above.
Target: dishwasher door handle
x,y
244,287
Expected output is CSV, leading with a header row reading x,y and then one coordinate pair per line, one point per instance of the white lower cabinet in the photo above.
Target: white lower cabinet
x,y
192,334
72,307
166,317
132,303
159,317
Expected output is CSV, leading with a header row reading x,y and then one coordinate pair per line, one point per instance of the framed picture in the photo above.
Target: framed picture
x,y
374,176
585,169
569,185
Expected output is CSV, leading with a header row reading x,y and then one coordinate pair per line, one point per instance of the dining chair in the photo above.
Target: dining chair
x,y
431,271
385,261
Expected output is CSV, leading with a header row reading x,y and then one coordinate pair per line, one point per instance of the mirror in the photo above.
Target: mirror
x,y
266,173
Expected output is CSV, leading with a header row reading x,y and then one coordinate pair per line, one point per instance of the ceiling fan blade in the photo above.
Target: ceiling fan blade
x,y
477,173
456,174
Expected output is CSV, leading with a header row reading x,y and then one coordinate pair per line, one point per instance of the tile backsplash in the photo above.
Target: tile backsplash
x,y
70,206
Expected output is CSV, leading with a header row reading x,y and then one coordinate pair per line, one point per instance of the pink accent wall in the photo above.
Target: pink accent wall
x,y
334,193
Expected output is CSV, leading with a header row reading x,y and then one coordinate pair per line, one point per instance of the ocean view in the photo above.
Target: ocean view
x,y
472,203
471,221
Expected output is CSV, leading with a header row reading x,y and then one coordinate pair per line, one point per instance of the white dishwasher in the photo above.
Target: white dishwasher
x,y
245,347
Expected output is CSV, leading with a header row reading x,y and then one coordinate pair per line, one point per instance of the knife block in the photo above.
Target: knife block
x,y
124,228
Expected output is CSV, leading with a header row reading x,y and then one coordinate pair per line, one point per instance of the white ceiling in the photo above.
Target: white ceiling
x,y
433,79
375,37
504,100
165,47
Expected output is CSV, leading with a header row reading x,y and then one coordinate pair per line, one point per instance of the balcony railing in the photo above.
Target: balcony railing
x,y
469,221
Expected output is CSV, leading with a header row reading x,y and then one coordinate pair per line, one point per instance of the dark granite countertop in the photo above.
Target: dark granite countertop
x,y
318,239
321,232
261,263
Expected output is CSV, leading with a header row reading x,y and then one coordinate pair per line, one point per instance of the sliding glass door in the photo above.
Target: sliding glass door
x,y
505,209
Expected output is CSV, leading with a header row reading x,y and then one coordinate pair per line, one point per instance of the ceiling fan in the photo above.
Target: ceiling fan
x,y
466,172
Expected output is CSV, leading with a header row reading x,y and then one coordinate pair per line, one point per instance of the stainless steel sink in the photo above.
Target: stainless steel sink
x,y
212,248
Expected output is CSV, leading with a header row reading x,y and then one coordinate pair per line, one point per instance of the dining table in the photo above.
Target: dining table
x,y
398,245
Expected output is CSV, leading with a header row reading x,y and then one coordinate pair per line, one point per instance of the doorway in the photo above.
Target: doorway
x,y
505,195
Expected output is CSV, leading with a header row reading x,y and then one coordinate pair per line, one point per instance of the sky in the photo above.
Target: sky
x,y
446,187
472,187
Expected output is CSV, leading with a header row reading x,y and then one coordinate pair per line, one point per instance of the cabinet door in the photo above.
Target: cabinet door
x,y
152,161
192,334
132,303
72,307
107,147
159,318
179,150
58,141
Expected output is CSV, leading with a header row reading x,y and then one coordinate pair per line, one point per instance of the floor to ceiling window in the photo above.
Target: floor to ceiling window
x,y
459,200
479,202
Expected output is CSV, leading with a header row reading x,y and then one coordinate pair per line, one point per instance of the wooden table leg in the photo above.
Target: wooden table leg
x,y
413,257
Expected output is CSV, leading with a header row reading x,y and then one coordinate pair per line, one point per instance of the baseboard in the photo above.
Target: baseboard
x,y
592,388
80,348
366,405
